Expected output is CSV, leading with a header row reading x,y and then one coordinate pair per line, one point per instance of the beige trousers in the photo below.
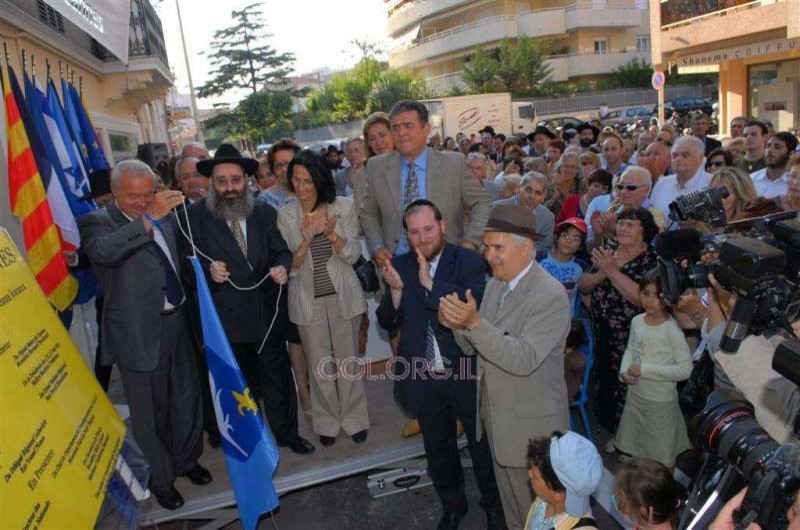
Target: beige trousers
x,y
338,399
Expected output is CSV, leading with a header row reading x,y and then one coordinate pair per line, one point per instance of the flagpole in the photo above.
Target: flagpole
x,y
198,127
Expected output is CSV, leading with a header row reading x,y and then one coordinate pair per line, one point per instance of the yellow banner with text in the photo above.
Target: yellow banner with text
x,y
59,433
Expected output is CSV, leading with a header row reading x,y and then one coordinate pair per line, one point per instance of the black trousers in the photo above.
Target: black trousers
x,y
269,376
437,420
166,415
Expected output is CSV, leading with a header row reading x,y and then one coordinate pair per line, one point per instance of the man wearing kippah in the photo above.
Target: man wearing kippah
x,y
519,334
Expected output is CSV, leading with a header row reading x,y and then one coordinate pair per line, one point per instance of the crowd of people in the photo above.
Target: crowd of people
x,y
489,249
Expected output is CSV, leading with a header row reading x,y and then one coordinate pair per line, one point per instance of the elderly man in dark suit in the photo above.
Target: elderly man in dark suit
x,y
131,245
415,171
242,236
435,380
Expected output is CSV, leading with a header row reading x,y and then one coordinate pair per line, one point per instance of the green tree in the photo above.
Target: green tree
x,y
509,67
479,71
265,115
633,74
241,57
392,86
531,55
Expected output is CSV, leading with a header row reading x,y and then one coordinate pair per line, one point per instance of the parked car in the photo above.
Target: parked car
x,y
565,122
684,105
626,116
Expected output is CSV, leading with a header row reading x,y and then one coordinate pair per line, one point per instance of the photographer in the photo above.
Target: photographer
x,y
749,372
725,521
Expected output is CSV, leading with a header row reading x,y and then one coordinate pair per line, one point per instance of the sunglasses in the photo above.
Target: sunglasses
x,y
628,187
715,164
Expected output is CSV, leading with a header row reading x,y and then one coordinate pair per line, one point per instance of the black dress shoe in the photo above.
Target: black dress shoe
x,y
198,475
327,441
449,520
360,437
169,498
495,520
298,445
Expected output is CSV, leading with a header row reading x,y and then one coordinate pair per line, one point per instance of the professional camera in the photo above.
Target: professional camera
x,y
760,264
705,205
740,452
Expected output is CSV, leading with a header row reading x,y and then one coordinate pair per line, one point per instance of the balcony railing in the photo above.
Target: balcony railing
x,y
145,38
678,12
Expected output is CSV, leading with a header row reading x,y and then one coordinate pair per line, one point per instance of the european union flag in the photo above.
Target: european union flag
x,y
95,156
250,451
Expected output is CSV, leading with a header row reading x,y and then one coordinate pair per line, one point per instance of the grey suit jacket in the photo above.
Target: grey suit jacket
x,y
128,264
521,373
449,185
352,301
545,222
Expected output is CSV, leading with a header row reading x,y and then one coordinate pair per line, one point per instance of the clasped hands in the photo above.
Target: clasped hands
x,y
453,312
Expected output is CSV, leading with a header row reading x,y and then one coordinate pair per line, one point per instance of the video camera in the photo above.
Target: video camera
x,y
760,263
741,453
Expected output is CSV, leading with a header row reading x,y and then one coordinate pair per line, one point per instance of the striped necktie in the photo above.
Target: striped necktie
x,y
504,295
238,235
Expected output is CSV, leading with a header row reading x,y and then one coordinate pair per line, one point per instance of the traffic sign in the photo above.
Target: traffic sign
x,y
658,79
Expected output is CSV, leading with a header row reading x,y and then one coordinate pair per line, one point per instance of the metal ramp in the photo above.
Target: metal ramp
x,y
384,447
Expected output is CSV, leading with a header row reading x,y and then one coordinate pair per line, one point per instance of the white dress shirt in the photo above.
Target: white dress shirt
x,y
667,189
438,363
770,188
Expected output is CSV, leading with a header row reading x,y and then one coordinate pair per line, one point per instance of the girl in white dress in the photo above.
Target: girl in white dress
x,y
657,357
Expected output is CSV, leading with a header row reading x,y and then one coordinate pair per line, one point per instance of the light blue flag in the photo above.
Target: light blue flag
x,y
77,178
74,125
250,451
95,155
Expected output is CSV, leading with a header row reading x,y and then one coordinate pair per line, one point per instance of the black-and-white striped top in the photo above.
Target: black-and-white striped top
x,y
321,252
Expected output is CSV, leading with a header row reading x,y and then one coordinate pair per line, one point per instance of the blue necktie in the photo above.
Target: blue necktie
x,y
174,291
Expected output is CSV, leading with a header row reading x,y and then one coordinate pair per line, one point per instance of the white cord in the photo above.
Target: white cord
x,y
190,238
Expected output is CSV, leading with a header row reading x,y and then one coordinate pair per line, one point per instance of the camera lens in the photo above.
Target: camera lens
x,y
728,428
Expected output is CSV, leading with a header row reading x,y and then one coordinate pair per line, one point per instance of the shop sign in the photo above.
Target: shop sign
x,y
739,52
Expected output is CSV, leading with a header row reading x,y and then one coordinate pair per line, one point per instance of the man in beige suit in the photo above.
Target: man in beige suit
x,y
413,172
519,335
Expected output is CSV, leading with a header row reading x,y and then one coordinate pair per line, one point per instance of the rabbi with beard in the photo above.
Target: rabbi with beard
x,y
243,239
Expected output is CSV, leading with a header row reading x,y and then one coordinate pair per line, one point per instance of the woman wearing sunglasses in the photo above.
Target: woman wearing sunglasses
x,y
717,159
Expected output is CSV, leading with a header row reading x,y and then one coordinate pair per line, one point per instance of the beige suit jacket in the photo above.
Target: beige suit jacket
x,y
521,370
449,185
352,301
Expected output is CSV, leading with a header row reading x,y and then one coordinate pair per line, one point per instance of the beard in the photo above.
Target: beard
x,y
780,162
586,142
231,206
434,249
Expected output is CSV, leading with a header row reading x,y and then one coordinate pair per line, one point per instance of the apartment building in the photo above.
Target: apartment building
x,y
590,38
126,100
754,45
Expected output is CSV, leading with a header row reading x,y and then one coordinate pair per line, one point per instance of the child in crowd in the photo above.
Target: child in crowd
x,y
574,359
646,495
657,357
565,471
562,265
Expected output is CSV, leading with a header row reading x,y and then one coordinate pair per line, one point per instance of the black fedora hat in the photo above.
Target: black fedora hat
x,y
541,129
228,154
586,125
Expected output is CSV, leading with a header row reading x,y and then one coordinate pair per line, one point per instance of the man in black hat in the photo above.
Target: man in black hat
x,y
538,140
242,236
519,334
588,134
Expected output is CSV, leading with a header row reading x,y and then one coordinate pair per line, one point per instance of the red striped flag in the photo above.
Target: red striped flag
x,y
29,203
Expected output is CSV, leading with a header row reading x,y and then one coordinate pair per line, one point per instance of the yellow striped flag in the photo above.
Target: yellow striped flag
x,y
29,203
